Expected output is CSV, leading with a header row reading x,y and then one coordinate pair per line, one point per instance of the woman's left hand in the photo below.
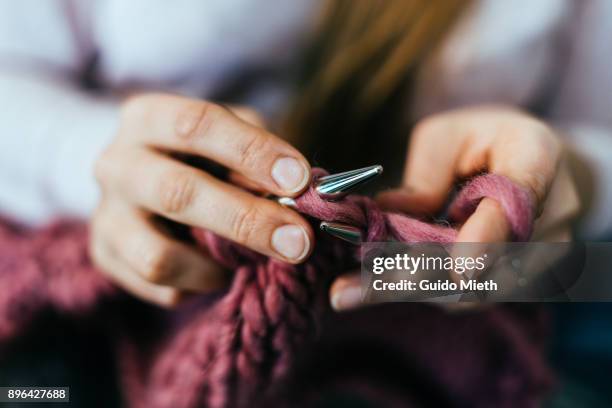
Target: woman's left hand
x,y
461,143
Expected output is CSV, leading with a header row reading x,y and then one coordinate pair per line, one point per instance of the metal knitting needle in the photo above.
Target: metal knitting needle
x,y
342,231
336,186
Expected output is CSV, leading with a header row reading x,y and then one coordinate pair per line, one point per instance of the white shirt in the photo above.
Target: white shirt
x,y
52,129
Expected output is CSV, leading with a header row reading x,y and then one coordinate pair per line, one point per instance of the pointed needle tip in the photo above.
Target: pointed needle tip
x,y
342,231
335,186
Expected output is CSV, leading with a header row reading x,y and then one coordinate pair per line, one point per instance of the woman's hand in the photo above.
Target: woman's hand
x,y
461,143
140,180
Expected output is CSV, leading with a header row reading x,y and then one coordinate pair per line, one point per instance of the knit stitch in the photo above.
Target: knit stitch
x,y
236,351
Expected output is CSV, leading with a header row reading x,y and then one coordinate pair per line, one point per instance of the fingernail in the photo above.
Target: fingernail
x,y
347,298
291,241
289,174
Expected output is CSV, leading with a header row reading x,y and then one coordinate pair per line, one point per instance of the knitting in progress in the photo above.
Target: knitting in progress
x,y
272,340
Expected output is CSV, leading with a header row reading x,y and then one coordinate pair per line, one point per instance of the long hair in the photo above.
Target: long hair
x,y
358,72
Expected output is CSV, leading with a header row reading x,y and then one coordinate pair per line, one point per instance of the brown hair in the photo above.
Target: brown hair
x,y
358,71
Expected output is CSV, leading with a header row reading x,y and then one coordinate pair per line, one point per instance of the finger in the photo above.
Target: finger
x,y
530,158
121,273
487,224
164,296
190,196
345,293
246,183
429,172
248,115
562,206
209,130
161,260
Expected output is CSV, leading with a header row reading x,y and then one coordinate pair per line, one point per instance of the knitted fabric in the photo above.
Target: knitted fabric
x,y
246,347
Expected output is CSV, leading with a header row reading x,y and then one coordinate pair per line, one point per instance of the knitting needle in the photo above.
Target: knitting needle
x,y
342,231
336,186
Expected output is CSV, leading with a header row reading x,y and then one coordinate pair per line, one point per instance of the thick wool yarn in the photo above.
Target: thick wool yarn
x,y
237,350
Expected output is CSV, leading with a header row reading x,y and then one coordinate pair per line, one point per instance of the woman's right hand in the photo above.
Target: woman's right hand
x,y
139,181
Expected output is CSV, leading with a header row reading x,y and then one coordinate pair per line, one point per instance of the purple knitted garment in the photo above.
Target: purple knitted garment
x,y
271,339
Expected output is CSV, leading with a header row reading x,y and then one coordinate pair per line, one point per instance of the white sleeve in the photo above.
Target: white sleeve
x,y
583,105
51,130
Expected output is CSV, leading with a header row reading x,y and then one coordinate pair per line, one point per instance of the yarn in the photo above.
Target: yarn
x,y
363,212
236,350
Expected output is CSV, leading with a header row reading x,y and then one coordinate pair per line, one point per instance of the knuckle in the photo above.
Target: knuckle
x,y
252,150
547,141
537,184
250,116
177,192
157,264
425,127
196,118
244,224
173,300
136,106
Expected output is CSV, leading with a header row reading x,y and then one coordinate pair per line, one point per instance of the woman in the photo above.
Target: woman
x,y
67,68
